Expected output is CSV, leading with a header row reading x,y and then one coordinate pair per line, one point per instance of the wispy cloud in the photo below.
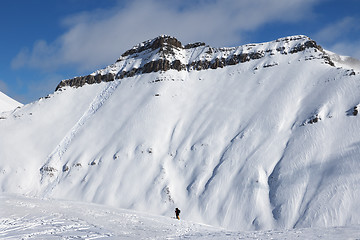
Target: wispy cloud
x,y
340,36
347,48
39,86
29,89
98,37
338,29
3,87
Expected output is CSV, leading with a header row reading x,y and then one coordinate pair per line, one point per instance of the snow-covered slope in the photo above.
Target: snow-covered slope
x,y
262,136
344,61
32,218
7,103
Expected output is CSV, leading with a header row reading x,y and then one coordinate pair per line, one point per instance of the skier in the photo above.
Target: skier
x,y
177,213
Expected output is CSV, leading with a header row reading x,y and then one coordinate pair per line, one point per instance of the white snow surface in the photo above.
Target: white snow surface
x,y
232,147
344,61
32,218
7,103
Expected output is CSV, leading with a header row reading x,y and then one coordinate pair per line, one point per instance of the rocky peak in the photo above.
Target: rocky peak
x,y
163,43
165,53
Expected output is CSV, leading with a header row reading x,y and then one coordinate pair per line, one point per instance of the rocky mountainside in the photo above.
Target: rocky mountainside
x,y
260,136
164,53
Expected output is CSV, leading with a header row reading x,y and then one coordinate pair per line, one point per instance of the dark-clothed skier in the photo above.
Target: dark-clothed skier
x,y
177,213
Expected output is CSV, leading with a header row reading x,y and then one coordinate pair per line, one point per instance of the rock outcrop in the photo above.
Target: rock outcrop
x,y
89,79
167,53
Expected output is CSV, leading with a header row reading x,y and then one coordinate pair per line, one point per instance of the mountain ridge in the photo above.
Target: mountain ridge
x,y
167,53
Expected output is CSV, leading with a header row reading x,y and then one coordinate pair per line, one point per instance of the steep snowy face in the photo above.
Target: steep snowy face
x,y
165,53
260,136
7,103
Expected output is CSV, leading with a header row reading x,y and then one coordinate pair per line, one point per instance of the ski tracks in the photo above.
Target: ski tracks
x,y
49,227
54,161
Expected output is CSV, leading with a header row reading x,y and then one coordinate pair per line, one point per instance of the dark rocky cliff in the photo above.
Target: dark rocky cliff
x,y
165,46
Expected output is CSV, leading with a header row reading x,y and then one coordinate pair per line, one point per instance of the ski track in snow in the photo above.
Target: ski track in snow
x,y
54,159
50,227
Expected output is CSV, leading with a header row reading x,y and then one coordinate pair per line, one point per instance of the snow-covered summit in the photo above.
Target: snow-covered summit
x,y
165,53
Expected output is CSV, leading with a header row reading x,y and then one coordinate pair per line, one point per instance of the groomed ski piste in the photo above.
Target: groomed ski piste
x,y
33,218
267,146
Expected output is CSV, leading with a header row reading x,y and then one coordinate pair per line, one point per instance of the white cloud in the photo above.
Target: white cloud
x,y
98,37
341,37
336,30
43,55
347,49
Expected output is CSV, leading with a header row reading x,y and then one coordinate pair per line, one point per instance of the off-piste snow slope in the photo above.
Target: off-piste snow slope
x,y
261,136
7,103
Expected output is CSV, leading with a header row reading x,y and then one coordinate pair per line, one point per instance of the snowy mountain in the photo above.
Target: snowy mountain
x,y
7,103
261,136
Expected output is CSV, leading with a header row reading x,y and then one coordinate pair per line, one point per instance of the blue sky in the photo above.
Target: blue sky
x,y
43,42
